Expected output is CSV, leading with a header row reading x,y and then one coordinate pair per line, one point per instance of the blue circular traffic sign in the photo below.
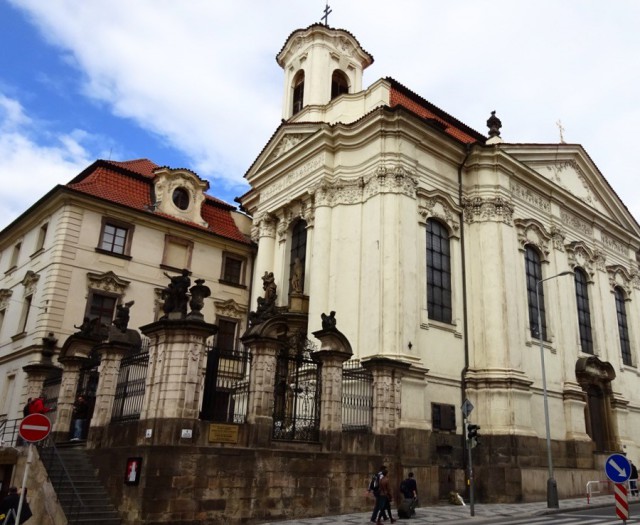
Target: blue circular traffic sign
x,y
617,468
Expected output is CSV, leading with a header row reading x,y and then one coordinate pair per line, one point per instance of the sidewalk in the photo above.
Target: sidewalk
x,y
457,514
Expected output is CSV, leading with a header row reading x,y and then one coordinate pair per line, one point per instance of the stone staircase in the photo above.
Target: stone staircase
x,y
80,493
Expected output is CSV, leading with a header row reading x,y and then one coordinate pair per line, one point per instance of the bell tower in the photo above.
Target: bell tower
x,y
320,63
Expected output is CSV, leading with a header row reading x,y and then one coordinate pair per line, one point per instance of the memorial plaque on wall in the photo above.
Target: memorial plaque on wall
x,y
219,433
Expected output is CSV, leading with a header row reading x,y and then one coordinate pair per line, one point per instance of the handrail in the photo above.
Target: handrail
x,y
6,519
49,444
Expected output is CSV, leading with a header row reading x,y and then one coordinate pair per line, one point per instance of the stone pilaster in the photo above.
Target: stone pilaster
x,y
387,390
574,400
334,351
173,387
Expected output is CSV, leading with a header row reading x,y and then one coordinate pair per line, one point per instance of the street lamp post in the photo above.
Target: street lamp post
x,y
552,486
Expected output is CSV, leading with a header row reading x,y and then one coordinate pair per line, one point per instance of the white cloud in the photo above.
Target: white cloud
x,y
30,169
203,75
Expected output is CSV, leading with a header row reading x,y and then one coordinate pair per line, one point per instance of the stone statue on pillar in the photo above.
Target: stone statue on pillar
x,y
267,304
175,295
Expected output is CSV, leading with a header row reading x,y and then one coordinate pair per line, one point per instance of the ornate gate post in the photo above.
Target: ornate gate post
x,y
261,388
387,389
334,351
72,356
37,373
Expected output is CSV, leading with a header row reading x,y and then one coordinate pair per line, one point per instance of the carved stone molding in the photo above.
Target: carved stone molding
x,y
437,206
558,168
532,232
5,295
107,282
230,308
614,244
385,179
494,209
29,282
286,143
264,226
581,256
167,181
530,196
575,223
295,210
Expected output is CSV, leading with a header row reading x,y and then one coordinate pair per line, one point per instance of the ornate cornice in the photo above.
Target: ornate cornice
x,y
29,282
581,256
532,232
230,308
575,223
107,282
5,295
437,207
619,276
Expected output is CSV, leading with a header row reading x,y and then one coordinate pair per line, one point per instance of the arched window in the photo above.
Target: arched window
x,y
339,84
298,92
438,272
623,330
298,251
533,269
584,311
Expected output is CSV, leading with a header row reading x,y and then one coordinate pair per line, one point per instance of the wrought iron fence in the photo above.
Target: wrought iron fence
x,y
127,403
9,436
357,397
296,410
226,390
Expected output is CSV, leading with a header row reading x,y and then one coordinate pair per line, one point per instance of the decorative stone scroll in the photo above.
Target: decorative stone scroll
x,y
107,282
5,295
532,232
619,276
29,282
581,256
437,206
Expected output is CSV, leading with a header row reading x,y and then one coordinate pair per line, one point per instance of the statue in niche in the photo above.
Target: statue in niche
x,y
175,294
122,316
296,277
267,304
329,321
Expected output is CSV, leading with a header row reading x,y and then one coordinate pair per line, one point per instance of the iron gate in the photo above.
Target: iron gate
x,y
296,410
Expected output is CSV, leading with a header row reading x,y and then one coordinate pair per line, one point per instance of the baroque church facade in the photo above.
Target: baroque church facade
x,y
402,266
433,244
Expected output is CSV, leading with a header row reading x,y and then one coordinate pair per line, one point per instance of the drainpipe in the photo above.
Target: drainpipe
x,y
463,373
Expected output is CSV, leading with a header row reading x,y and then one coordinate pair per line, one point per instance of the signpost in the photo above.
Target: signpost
x,y
466,408
618,469
33,428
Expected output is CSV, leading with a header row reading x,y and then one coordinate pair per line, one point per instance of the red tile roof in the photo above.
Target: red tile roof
x,y
130,184
403,96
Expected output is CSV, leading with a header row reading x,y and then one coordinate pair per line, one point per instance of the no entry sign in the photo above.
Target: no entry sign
x,y
34,427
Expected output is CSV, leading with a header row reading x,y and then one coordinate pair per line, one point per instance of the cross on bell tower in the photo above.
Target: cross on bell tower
x,y
327,11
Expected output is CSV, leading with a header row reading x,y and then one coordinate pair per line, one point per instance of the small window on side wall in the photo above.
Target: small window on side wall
x,y
226,336
443,417
298,92
115,237
42,237
233,268
101,305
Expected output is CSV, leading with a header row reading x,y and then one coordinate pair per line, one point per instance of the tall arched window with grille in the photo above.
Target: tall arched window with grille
x,y
533,269
584,311
438,272
623,328
298,251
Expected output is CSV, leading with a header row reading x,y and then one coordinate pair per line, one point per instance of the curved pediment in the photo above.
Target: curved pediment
x,y
591,369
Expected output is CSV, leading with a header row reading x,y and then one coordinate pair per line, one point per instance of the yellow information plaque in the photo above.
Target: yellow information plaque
x,y
223,433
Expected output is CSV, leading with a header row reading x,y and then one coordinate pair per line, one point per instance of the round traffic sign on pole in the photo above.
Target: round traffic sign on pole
x,y
617,468
34,427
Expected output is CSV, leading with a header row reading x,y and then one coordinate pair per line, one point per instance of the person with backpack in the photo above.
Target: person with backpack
x,y
374,489
409,490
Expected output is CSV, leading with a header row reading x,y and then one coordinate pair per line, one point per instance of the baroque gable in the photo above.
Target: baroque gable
x,y
180,193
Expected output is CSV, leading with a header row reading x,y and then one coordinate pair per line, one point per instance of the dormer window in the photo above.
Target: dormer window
x,y
298,92
339,84
181,198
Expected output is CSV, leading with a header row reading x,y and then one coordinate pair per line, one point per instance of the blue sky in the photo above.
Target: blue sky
x,y
195,83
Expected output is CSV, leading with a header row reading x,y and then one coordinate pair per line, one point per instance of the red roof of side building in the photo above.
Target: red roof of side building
x,y
130,184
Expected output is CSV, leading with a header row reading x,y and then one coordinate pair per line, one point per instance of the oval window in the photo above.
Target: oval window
x,y
181,198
